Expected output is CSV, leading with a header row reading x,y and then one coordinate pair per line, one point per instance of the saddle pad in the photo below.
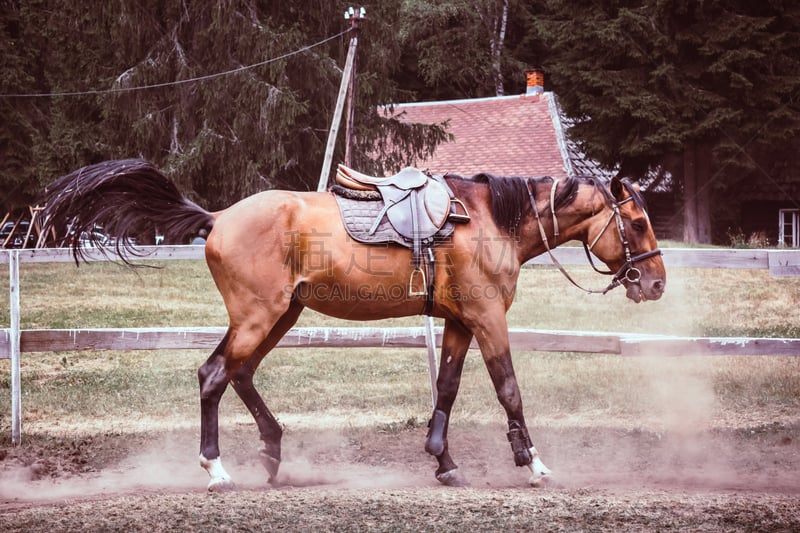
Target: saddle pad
x,y
358,216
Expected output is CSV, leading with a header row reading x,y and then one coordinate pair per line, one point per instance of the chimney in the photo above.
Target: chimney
x,y
535,82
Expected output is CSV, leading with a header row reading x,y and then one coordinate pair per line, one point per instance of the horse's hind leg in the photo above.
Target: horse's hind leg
x,y
268,427
213,382
228,363
455,343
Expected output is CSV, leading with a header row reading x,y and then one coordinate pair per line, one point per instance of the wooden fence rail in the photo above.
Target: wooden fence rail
x,y
14,341
783,262
626,344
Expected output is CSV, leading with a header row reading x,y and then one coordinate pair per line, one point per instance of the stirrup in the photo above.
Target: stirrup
x,y
417,272
458,217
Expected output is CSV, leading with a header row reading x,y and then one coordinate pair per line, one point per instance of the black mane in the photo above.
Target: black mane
x,y
510,199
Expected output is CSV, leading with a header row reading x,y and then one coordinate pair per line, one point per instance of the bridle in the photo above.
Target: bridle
x,y
627,272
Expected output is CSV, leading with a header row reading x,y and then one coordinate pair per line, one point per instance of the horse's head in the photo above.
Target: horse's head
x,y
622,237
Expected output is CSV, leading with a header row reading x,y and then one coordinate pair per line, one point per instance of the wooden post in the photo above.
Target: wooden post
x,y
13,230
16,396
354,17
430,344
351,100
35,226
697,193
703,180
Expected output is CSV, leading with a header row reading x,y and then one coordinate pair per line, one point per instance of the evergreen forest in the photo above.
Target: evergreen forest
x,y
234,97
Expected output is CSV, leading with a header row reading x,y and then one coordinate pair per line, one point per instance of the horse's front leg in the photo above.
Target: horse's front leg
x,y
455,343
492,337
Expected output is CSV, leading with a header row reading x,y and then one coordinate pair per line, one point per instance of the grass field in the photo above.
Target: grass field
x,y
393,383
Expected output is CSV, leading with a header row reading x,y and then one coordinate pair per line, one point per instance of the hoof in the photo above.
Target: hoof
x,y
221,485
541,476
271,465
452,478
220,480
540,481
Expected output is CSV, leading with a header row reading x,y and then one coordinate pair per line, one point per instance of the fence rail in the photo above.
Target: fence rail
x,y
14,341
625,344
780,263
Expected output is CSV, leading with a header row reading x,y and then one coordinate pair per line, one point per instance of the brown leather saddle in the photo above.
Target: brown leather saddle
x,y
416,204
410,208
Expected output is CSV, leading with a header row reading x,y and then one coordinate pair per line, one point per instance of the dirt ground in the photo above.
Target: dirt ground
x,y
607,479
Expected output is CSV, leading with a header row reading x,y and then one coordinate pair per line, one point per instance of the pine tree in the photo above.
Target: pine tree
x,y
711,84
458,48
16,76
221,138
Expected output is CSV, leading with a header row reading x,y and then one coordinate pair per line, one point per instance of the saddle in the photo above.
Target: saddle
x,y
416,204
410,208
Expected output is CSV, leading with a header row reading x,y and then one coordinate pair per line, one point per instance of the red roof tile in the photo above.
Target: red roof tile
x,y
505,136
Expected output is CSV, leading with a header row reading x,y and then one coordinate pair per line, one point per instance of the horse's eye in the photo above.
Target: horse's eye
x,y
639,225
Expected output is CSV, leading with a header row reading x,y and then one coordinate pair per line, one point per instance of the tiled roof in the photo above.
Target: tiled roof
x,y
510,136
505,136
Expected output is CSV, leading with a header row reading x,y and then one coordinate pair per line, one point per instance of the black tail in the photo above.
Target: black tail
x,y
127,198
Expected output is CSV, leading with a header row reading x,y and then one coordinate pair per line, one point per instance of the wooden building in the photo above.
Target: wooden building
x,y
526,135
521,135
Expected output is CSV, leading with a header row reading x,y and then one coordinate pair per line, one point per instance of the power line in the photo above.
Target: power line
x,y
177,82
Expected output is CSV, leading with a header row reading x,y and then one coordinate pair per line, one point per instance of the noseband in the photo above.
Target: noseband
x,y
628,272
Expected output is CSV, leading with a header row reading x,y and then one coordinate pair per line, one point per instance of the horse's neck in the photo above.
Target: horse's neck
x,y
572,220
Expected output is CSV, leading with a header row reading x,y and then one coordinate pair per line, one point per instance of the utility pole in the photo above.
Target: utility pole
x,y
351,93
348,80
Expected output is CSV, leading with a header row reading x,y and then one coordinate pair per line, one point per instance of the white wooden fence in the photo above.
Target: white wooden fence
x,y
14,341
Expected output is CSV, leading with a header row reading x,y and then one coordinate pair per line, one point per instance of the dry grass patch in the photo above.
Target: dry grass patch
x,y
393,385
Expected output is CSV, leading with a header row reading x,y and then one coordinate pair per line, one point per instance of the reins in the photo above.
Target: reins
x,y
628,272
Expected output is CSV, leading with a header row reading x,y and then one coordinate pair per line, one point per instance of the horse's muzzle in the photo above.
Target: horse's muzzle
x,y
645,289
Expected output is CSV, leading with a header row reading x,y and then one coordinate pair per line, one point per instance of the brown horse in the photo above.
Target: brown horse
x,y
277,252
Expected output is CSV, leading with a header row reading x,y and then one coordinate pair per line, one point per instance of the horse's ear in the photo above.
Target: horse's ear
x,y
617,189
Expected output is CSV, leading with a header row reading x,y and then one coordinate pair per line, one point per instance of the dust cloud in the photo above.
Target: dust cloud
x,y
678,438
170,464
54,478
681,437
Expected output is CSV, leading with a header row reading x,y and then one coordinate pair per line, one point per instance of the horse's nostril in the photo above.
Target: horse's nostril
x,y
658,285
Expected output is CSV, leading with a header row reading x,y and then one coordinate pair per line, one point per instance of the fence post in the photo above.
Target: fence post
x,y
16,397
433,367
